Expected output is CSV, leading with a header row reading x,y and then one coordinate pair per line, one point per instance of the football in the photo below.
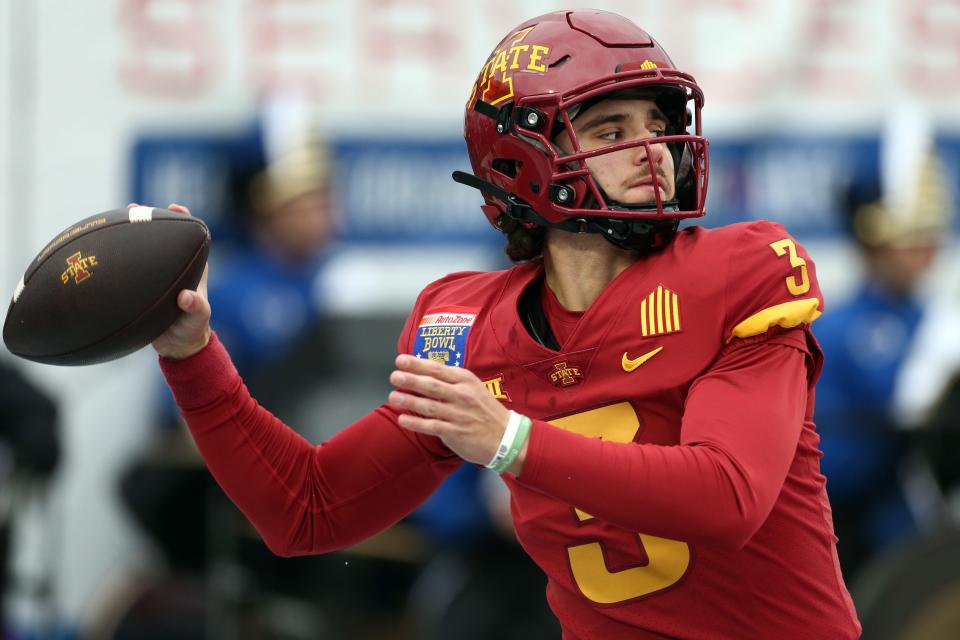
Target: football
x,y
106,286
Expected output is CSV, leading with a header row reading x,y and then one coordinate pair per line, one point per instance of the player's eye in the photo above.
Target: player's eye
x,y
610,136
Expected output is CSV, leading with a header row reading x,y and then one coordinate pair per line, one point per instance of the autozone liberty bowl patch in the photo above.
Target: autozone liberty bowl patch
x,y
442,334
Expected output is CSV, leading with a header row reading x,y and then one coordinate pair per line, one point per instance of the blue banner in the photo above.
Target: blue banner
x,y
399,191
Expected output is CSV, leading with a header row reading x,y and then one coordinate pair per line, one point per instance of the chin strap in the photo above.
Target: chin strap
x,y
638,235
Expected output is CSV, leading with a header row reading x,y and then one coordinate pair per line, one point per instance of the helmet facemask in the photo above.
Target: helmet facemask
x,y
576,193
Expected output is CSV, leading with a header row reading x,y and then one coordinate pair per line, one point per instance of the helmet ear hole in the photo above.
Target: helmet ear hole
x,y
506,166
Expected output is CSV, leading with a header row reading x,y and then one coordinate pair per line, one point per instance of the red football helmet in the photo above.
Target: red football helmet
x,y
533,85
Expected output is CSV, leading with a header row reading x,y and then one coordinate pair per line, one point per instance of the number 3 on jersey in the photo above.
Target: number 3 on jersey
x,y
783,247
667,560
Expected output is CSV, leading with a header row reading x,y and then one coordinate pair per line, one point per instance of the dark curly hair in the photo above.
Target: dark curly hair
x,y
522,243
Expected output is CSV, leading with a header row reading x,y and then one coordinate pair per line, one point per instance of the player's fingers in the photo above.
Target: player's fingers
x,y
187,301
426,366
428,426
426,385
194,304
132,205
193,301
179,208
423,406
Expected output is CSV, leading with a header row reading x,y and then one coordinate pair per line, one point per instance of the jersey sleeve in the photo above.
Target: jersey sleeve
x,y
304,499
771,287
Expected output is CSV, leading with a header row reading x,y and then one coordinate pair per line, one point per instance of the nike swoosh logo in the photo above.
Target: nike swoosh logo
x,y
629,364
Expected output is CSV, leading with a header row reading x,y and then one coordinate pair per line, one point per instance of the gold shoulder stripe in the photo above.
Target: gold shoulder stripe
x,y
786,315
659,312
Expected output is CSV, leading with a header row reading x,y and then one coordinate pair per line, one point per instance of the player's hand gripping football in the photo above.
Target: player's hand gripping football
x,y
454,405
191,332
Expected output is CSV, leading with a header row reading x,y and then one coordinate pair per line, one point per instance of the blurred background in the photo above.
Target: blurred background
x,y
317,138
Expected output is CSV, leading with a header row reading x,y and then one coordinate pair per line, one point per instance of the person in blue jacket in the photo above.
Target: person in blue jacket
x,y
865,341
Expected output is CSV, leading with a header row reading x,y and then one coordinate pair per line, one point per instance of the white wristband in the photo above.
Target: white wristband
x,y
513,424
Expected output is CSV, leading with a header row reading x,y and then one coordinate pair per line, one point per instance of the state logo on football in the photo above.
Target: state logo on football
x,y
78,268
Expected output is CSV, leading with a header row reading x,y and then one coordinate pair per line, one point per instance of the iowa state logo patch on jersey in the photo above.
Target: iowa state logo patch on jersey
x,y
442,334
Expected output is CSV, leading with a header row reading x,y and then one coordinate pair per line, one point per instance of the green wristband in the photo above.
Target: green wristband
x,y
523,432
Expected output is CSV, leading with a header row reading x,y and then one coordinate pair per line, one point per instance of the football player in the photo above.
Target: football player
x,y
646,393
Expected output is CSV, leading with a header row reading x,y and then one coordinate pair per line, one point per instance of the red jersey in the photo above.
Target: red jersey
x,y
671,486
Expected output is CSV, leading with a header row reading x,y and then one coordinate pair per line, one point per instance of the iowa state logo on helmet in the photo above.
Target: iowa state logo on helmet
x,y
494,85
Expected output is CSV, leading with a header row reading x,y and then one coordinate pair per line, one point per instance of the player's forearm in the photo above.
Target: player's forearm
x,y
740,434
302,499
305,499
682,493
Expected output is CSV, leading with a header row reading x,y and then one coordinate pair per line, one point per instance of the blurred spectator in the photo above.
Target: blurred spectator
x,y
927,394
29,453
263,284
898,222
264,287
28,427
